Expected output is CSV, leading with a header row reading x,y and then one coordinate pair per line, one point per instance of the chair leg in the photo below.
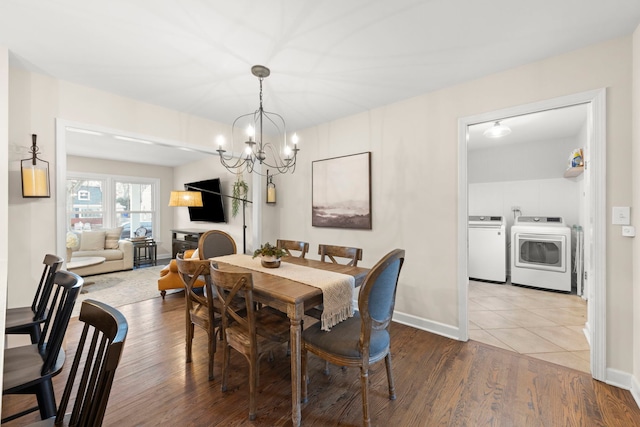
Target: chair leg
x,y
392,387
189,340
212,353
326,367
46,399
364,383
225,366
253,386
163,293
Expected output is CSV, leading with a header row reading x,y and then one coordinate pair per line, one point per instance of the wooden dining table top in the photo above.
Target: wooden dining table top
x,y
290,291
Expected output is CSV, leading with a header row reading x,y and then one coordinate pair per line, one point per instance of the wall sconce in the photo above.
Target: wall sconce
x,y
271,190
35,174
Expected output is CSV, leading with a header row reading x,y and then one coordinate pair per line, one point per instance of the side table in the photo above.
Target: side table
x,y
144,252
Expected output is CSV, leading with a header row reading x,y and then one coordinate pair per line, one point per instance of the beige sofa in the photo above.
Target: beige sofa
x,y
118,254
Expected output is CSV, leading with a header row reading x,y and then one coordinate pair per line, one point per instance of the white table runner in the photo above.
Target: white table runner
x,y
337,288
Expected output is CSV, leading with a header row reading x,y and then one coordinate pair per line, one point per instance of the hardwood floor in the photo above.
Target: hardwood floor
x,y
438,382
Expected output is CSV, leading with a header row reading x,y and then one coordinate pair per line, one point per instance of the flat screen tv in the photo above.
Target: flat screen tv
x,y
212,209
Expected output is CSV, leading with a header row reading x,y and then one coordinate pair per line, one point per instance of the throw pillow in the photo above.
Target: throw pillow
x,y
111,237
92,241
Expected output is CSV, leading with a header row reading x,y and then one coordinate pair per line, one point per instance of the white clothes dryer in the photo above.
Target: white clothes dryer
x,y
541,253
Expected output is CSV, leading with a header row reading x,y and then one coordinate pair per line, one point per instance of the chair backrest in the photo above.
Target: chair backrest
x,y
378,293
215,243
105,330
52,264
190,270
232,288
331,251
66,288
293,245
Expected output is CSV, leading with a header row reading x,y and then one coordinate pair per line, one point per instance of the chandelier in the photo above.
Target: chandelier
x,y
259,129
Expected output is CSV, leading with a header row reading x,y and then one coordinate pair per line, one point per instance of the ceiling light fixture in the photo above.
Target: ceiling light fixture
x,y
497,130
260,125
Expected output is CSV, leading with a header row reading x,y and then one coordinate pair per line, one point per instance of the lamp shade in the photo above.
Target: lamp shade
x,y
186,198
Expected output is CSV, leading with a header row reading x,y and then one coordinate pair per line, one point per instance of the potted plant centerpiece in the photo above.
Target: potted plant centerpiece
x,y
270,255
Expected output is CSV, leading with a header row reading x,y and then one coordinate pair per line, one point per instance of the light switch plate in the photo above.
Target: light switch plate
x,y
621,215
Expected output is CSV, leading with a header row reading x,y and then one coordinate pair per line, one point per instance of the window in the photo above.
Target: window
x,y
104,201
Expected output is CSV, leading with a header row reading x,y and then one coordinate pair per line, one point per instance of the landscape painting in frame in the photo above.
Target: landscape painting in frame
x,y
341,192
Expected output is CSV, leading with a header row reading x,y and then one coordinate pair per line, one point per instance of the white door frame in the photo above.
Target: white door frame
x,y
595,230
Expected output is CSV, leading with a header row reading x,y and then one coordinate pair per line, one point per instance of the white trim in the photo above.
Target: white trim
x,y
597,306
597,270
635,390
463,237
619,379
427,325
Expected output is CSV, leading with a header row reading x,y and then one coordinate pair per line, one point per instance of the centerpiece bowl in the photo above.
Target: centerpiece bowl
x,y
270,255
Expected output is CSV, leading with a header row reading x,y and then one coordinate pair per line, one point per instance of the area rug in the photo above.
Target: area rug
x,y
121,288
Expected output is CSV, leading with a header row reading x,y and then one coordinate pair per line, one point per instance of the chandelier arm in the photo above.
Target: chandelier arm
x,y
255,150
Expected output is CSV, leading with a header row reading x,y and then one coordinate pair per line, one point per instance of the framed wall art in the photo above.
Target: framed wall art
x,y
341,192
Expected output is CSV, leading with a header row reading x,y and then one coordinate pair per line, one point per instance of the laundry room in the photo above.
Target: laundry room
x,y
527,199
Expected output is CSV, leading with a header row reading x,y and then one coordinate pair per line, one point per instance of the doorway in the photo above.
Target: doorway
x,y
594,212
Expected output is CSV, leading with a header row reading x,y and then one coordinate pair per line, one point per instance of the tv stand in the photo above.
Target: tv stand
x,y
185,238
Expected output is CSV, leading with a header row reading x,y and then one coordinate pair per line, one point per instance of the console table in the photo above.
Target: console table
x,y
185,238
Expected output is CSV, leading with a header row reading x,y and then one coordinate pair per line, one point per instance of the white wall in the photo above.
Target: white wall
x,y
539,197
526,175
513,162
414,179
163,173
635,217
4,183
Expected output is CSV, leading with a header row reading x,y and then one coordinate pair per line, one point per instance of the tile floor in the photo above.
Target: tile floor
x,y
542,324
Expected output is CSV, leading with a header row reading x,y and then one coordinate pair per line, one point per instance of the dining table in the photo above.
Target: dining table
x,y
294,299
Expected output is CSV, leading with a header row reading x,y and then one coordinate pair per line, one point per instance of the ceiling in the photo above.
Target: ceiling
x,y
328,59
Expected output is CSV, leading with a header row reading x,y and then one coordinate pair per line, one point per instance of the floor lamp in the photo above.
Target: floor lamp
x,y
193,198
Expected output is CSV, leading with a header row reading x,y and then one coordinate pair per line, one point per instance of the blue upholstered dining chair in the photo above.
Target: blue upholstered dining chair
x,y
364,338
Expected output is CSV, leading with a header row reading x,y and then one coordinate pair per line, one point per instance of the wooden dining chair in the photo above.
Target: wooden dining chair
x,y
364,338
215,243
251,332
94,366
329,253
29,320
301,248
29,369
200,309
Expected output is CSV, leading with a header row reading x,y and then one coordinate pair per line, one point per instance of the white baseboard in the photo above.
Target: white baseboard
x,y
635,390
427,325
618,378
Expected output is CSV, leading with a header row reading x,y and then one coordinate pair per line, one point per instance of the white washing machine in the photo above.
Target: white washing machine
x,y
487,248
541,253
